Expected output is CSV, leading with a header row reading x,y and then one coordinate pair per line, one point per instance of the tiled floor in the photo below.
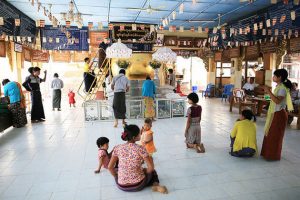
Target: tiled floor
x,y
56,159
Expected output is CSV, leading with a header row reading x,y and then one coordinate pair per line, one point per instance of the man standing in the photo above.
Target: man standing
x,y
57,84
120,85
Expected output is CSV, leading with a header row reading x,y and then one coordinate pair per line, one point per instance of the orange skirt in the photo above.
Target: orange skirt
x,y
272,144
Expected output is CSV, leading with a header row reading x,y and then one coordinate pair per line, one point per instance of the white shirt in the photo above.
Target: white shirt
x,y
57,84
249,86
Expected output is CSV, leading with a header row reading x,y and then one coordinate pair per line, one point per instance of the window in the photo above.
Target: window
x,y
226,69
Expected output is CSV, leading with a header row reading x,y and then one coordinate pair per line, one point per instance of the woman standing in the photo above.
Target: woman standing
x,y
131,176
57,84
277,115
17,106
33,85
148,92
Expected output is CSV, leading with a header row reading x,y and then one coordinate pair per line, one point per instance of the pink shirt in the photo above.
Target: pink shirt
x,y
103,154
130,157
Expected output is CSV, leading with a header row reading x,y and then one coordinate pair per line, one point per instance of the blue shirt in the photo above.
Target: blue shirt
x,y
148,89
12,91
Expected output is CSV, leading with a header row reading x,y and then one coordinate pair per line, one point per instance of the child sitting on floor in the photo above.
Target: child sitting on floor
x,y
103,155
243,136
193,129
71,96
147,138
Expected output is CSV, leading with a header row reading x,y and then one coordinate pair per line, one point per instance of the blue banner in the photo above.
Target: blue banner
x,y
63,38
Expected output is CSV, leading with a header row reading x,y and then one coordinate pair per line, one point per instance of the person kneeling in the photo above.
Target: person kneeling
x,y
130,176
243,136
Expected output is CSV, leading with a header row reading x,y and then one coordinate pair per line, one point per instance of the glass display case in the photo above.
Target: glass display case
x,y
91,110
163,108
106,111
134,109
178,107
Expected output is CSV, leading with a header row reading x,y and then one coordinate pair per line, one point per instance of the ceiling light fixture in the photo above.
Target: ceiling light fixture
x,y
71,16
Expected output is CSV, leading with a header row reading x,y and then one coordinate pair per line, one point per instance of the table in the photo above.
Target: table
x,y
260,103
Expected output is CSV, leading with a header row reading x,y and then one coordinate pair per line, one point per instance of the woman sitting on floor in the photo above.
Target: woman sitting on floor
x,y
130,176
243,136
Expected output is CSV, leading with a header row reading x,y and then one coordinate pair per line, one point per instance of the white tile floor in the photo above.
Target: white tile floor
x,y
56,159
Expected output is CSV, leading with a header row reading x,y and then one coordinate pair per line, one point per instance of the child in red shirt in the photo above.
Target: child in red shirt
x,y
71,96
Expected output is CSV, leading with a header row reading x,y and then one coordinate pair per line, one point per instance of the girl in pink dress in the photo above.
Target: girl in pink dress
x,y
103,155
131,176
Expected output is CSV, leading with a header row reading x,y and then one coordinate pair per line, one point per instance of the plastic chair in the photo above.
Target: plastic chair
x,y
227,91
209,90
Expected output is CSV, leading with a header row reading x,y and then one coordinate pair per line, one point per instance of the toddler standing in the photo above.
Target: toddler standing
x,y
71,96
147,138
193,129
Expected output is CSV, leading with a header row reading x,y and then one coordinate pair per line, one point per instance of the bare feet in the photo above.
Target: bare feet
x,y
116,124
200,148
161,189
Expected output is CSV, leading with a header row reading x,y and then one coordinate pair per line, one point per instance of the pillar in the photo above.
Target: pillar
x,y
269,65
211,74
236,77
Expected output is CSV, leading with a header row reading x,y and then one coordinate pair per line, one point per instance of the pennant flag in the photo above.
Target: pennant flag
x,y
293,15
110,26
241,31
261,25
199,29
143,27
11,38
18,39
274,20
42,23
181,28
68,24
286,2
264,32
268,23
206,29
273,1
269,31
284,36
170,29
192,28
276,32
1,21
134,27
57,40
255,27
122,28
17,22
282,18
296,2
29,39
282,32
296,33
174,28
161,27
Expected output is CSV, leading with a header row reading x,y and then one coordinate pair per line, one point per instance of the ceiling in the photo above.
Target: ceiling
x,y
115,10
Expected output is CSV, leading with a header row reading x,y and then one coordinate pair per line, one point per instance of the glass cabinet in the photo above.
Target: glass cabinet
x,y
91,110
163,108
134,109
178,107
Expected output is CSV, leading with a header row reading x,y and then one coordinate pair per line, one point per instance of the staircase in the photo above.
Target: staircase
x,y
100,67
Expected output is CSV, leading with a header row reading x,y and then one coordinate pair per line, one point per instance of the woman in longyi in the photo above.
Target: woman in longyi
x,y
277,115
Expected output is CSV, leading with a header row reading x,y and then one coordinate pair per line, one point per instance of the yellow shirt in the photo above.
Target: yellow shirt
x,y
86,67
244,133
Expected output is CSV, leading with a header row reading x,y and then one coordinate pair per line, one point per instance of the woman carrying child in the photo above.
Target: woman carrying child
x,y
193,129
131,176
243,136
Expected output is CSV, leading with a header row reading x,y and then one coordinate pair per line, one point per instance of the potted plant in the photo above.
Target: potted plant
x,y
155,65
123,63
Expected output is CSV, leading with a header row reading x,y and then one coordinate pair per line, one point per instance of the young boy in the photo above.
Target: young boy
x,y
103,156
147,138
